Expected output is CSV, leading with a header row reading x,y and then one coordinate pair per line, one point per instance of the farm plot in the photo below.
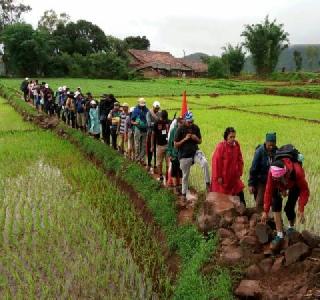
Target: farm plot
x,y
309,110
66,231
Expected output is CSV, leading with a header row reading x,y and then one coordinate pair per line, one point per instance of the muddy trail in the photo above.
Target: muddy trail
x,y
292,273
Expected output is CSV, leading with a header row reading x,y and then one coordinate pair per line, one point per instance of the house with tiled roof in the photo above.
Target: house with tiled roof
x,y
160,64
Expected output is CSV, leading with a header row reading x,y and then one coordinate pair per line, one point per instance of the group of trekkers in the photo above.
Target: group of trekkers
x,y
148,137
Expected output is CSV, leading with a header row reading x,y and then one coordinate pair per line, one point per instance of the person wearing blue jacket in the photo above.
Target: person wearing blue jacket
x,y
139,122
263,157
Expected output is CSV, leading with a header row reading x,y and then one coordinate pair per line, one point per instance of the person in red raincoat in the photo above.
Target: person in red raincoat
x,y
227,166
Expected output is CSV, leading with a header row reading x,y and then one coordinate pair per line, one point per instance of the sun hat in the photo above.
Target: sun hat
x,y
92,102
156,104
142,102
60,89
125,105
46,86
116,104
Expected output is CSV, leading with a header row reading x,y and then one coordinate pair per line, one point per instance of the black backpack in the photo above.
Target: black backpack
x,y
288,151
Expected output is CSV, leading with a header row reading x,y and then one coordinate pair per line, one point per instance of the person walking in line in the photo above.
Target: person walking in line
x,y
172,154
130,133
227,166
159,140
187,139
80,110
106,105
71,110
123,130
114,120
286,178
24,88
139,121
153,116
263,157
94,129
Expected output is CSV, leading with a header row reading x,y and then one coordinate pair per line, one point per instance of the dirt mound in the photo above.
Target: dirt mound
x,y
292,273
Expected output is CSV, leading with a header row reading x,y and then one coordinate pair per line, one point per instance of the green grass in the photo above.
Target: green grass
x,y
66,231
159,87
307,111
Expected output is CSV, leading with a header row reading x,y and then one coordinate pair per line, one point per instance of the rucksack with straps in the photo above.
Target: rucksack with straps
x,y
289,151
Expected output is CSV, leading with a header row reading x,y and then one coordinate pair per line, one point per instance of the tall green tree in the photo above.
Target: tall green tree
x,y
234,58
11,12
265,41
50,20
217,68
26,50
81,37
297,57
137,42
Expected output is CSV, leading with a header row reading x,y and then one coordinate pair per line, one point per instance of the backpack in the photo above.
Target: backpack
x,y
288,151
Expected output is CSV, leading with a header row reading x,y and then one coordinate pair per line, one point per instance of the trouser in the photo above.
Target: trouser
x,y
140,140
25,95
289,208
241,197
105,126
151,153
114,137
259,196
72,119
185,165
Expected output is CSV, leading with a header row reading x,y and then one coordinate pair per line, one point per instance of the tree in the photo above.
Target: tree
x,y
50,20
26,51
217,68
10,12
265,41
82,37
234,58
137,42
297,57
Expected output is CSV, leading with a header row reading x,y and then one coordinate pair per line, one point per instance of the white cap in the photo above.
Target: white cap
x,y
131,109
76,94
64,88
156,104
46,85
60,89
27,78
93,102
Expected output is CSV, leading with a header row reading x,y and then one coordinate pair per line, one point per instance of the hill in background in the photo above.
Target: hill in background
x,y
310,58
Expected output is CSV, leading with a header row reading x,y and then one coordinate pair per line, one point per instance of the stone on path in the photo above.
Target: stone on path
x,y
266,265
231,255
249,288
310,239
295,252
262,232
253,272
277,264
221,203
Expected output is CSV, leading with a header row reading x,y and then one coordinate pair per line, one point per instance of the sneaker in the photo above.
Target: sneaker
x,y
290,231
276,243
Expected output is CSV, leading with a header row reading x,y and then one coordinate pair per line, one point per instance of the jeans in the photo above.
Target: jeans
x,y
185,165
140,141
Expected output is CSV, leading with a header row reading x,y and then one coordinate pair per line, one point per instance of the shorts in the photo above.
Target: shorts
x,y
175,169
81,119
161,154
290,205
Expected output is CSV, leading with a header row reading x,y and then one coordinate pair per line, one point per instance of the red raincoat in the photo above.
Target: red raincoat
x,y
227,163
299,180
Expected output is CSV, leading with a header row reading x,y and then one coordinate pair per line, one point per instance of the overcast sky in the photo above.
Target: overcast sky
x,y
192,26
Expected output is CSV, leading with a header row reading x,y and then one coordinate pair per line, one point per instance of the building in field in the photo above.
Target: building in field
x,y
152,64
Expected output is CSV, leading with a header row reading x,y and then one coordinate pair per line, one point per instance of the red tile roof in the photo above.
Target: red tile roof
x,y
157,59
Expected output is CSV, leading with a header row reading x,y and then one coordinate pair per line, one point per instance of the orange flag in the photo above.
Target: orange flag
x,y
184,105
